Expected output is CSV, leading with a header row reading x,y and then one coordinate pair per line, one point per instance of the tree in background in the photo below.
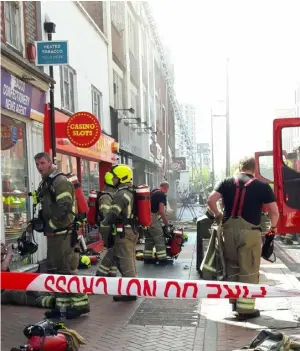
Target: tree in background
x,y
203,177
233,168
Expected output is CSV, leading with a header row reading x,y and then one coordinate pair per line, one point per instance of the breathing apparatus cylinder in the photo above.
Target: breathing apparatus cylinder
x,y
92,203
43,336
176,242
143,205
82,206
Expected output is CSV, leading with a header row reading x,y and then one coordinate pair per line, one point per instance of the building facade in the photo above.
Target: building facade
x,y
82,85
23,96
188,113
115,71
145,135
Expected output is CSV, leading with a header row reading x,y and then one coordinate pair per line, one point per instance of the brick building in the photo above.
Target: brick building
x,y
23,97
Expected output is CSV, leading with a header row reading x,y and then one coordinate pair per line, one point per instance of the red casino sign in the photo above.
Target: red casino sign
x,y
83,129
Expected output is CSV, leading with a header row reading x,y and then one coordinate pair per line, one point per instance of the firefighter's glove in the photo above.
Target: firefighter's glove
x,y
75,340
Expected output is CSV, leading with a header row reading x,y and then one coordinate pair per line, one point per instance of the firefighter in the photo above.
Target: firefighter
x,y
243,198
107,267
154,237
121,215
58,215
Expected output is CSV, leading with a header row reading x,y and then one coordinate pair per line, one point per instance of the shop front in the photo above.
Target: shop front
x,y
90,164
22,114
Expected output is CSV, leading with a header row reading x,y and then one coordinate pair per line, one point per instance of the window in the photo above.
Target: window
x,y
132,36
118,91
97,103
291,169
68,88
117,12
133,101
66,163
266,169
14,175
90,176
13,24
145,105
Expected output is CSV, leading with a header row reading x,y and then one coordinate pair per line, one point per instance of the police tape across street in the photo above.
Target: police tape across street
x,y
143,287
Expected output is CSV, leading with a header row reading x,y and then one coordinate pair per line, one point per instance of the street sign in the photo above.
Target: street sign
x,y
52,53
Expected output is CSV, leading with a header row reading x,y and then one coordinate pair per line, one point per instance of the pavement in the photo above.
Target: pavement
x,y
165,324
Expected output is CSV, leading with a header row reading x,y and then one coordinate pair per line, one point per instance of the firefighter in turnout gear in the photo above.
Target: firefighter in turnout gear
x,y
58,214
243,198
154,236
107,267
121,214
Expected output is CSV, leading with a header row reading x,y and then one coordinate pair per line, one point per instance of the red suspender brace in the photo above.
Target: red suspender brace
x,y
236,197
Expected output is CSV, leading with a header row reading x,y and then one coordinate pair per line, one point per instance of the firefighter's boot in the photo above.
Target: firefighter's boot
x,y
124,298
244,316
163,262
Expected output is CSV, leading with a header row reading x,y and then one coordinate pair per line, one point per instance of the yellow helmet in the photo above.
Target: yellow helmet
x,y
122,172
108,178
85,261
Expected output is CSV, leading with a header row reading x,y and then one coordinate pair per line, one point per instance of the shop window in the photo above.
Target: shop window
x,y
13,33
97,103
14,174
90,176
68,88
66,164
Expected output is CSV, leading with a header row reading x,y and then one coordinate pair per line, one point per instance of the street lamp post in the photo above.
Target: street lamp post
x,y
226,115
49,28
212,116
227,123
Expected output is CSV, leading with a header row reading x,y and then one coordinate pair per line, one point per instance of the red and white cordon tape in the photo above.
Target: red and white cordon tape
x,y
153,288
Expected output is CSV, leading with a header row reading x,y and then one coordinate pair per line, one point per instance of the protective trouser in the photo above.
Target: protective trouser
x,y
155,237
60,257
242,251
124,252
27,298
108,266
242,248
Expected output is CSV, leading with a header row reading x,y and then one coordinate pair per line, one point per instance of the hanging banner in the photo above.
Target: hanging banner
x,y
83,129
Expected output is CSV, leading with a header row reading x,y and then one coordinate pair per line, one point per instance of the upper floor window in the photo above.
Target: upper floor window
x,y
13,33
132,36
97,103
118,91
68,88
117,12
